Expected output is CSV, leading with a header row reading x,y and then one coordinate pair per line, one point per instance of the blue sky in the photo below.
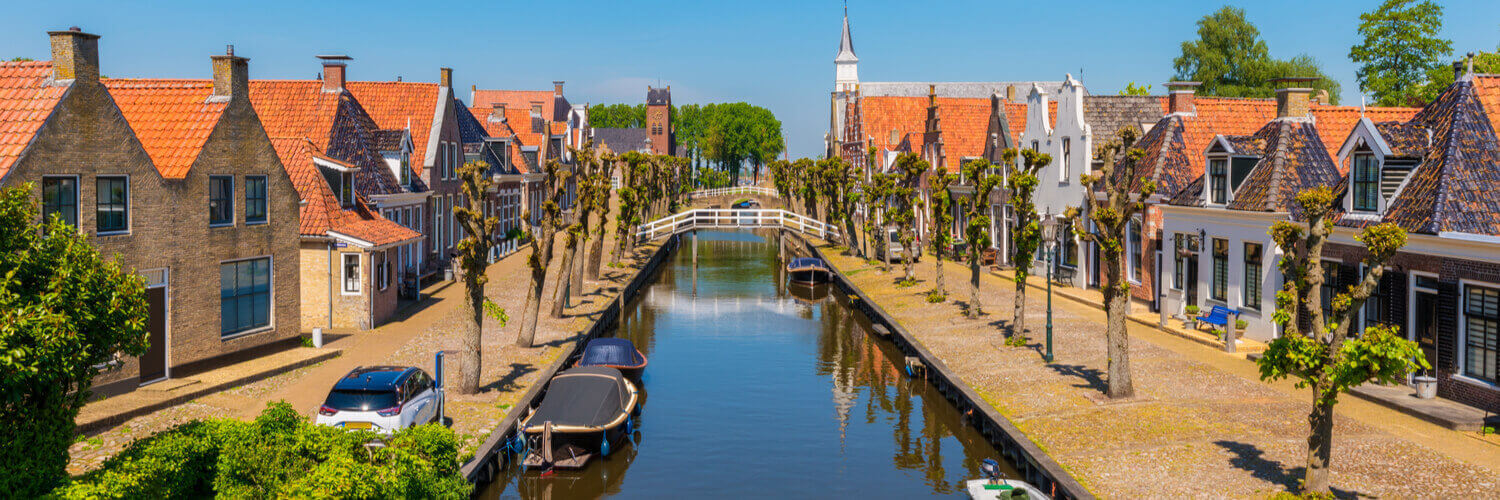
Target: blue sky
x,y
776,54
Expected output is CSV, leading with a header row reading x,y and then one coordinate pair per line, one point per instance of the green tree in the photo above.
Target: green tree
x,y
1231,60
942,234
909,170
1440,77
879,191
21,59
66,313
1401,46
1125,190
599,198
977,210
1331,355
553,180
1026,234
1132,89
474,258
617,115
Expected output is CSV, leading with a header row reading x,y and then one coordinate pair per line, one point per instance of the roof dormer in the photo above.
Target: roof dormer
x,y
1228,161
340,177
1379,159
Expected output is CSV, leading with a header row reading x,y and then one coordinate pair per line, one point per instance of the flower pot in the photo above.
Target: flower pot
x,y
1426,386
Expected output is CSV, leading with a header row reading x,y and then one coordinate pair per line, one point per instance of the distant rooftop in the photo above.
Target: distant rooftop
x,y
954,89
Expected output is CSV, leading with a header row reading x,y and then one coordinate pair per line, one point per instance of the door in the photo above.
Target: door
x,y
1156,284
1190,278
1425,329
154,361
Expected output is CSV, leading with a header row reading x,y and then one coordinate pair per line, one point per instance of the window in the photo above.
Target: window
x,y
220,200
382,268
1374,310
416,219
1329,289
1036,146
351,273
1481,332
1069,250
1135,249
60,196
1251,290
405,168
1218,182
1366,178
244,295
346,189
255,199
1220,288
1067,155
112,207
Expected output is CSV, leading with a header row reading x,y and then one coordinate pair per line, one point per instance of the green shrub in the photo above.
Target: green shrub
x,y
1016,341
935,297
1192,310
1240,324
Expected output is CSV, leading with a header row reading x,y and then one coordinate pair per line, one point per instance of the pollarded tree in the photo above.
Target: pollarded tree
x,y
909,170
474,258
1118,194
66,314
632,196
1026,234
570,279
541,249
809,185
877,193
1330,355
599,198
977,210
942,236
838,182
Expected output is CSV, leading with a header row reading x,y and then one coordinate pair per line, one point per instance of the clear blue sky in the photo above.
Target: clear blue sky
x,y
776,54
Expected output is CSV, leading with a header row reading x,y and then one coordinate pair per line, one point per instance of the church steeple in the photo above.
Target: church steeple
x,y
846,64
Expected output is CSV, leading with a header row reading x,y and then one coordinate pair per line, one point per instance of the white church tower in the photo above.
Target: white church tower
x,y
845,81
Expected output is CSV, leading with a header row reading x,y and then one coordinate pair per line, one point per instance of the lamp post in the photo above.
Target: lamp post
x,y
1049,236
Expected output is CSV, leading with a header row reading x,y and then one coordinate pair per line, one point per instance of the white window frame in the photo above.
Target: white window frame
x,y
1260,278
344,273
129,206
1208,181
1463,333
1067,150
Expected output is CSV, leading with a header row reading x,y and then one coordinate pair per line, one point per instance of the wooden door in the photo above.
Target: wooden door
x,y
154,361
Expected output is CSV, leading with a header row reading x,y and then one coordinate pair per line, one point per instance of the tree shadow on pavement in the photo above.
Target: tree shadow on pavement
x,y
507,382
1250,458
1092,378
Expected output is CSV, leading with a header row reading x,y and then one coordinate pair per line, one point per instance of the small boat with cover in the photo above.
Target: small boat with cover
x,y
615,353
994,487
587,410
808,270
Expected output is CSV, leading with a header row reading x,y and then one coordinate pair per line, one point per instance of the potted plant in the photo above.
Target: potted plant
x,y
1192,315
1239,328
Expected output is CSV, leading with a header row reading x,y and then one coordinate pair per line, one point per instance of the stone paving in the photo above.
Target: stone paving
x,y
1202,425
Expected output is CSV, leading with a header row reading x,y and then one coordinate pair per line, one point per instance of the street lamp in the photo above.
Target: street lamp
x,y
1049,236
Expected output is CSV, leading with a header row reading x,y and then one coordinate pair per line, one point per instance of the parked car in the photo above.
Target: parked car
x,y
893,247
383,399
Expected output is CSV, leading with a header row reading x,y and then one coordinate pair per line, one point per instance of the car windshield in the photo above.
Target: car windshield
x,y
895,237
361,400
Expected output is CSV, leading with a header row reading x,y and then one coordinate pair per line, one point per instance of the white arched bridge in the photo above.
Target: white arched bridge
x,y
734,191
717,218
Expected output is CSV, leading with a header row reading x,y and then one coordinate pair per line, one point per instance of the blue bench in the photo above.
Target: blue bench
x,y
1219,316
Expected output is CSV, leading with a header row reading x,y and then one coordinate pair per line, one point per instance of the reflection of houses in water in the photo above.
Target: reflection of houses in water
x,y
695,307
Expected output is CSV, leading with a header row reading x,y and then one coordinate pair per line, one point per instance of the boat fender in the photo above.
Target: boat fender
x,y
604,438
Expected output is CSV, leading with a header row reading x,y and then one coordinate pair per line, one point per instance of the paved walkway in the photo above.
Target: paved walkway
x,y
1203,424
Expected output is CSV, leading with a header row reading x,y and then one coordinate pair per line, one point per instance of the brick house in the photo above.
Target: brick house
x,y
1434,175
521,141
174,177
350,277
504,197
541,125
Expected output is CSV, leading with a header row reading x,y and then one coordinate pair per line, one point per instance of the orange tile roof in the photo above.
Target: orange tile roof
x,y
1487,88
396,105
517,126
1336,122
26,100
964,122
296,108
516,99
321,212
172,118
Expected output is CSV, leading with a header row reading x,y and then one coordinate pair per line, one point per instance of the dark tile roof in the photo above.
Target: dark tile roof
x,y
1407,140
621,140
1454,189
388,139
1246,145
1108,114
469,128
1191,195
658,96
1294,160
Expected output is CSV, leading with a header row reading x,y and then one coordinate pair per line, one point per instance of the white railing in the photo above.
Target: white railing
x,y
703,218
731,191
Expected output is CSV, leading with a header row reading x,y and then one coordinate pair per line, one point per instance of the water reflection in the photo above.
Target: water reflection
x,y
761,389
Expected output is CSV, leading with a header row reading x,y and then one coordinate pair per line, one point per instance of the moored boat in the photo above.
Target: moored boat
x,y
993,487
808,270
587,411
615,353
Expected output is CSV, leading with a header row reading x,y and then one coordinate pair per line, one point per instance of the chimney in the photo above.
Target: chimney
x,y
1180,97
75,55
231,74
445,78
334,67
1293,97
557,88
1458,70
1010,93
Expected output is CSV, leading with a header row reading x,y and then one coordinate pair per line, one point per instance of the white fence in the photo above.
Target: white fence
x,y
704,218
732,191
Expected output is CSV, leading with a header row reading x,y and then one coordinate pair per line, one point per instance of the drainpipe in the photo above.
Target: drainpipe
x,y
331,284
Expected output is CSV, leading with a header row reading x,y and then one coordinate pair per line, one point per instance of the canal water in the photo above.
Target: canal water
x,y
760,389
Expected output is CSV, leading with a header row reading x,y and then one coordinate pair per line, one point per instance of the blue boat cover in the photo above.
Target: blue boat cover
x,y
610,351
807,261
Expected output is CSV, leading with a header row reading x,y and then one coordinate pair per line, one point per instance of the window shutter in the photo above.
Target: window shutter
x,y
1447,326
1393,288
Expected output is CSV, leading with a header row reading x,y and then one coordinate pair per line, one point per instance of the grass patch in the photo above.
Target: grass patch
x,y
906,283
1016,341
934,297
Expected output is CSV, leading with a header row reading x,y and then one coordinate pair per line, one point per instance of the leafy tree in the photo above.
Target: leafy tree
x,y
21,59
879,191
617,116
1132,89
977,210
632,197
942,235
474,258
66,313
1026,234
838,183
554,178
1401,46
1440,77
599,197
909,170
1119,179
1231,60
1330,355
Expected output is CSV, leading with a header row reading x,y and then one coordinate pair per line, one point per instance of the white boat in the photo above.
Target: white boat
x,y
1001,489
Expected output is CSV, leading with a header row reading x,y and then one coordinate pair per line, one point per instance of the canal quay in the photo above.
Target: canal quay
x,y
758,388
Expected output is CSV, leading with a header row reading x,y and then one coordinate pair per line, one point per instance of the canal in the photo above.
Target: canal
x,y
760,389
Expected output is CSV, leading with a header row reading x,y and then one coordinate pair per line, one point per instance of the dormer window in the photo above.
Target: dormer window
x,y
1365,181
405,168
1218,181
346,189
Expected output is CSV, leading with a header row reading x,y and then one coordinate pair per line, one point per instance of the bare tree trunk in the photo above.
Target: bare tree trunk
x,y
973,311
1018,319
561,292
533,305
1117,299
1319,443
596,254
937,263
576,272
469,362
910,250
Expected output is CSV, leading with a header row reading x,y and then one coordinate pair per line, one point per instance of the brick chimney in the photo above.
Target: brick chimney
x,y
1010,93
334,67
231,74
1181,97
1293,97
75,55
445,77
557,88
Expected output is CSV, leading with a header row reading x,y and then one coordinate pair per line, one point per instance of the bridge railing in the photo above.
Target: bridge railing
x,y
732,191
731,218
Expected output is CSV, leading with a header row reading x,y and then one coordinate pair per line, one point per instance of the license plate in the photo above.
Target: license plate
x,y
356,425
